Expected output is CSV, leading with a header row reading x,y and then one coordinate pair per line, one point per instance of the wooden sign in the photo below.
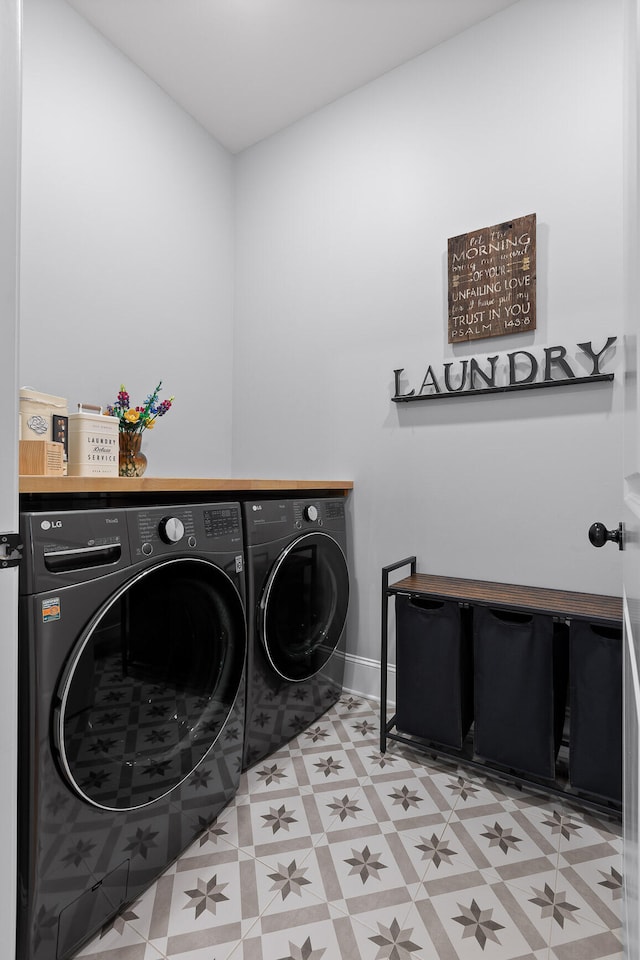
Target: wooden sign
x,y
492,281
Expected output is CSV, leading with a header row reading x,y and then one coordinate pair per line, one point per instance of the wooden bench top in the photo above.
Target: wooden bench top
x,y
557,603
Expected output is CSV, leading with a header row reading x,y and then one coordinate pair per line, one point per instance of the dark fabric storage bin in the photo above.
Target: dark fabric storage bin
x,y
520,678
595,728
434,670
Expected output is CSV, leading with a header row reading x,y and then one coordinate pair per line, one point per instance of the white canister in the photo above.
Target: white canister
x,y
36,413
93,443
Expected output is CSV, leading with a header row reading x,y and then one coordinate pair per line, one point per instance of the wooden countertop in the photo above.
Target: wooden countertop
x,y
124,485
559,603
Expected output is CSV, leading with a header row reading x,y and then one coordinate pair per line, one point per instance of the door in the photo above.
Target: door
x,y
150,683
304,606
631,489
10,26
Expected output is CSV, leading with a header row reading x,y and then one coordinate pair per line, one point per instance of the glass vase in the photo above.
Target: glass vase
x,y
132,462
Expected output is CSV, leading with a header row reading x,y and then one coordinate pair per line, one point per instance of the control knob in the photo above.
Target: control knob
x,y
171,529
310,513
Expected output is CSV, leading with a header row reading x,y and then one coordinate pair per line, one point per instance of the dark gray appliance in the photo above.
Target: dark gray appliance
x,y
131,705
297,599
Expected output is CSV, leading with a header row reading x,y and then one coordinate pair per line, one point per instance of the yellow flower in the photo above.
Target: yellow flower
x,y
150,424
131,416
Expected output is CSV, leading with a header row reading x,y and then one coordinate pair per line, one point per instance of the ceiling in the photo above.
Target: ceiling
x,y
248,68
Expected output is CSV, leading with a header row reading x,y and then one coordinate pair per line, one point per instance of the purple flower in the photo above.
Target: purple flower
x,y
123,398
147,414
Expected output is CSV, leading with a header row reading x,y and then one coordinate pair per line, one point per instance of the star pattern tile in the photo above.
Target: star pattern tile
x,y
477,923
334,851
289,879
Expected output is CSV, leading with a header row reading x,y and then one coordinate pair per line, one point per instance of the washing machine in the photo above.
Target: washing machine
x,y
131,705
297,599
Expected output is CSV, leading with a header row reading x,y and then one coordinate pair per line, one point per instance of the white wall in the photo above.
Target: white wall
x,y
127,243
342,227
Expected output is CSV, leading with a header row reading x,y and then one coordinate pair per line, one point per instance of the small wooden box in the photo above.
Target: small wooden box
x,y
41,458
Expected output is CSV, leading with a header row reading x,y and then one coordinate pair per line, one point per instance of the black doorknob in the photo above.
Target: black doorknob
x,y
599,535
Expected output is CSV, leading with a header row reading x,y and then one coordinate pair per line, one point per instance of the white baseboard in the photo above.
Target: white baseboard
x,y
362,677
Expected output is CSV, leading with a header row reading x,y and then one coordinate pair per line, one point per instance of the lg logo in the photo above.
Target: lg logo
x,y
257,506
48,524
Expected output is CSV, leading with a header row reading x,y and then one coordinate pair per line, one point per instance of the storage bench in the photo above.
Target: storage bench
x,y
523,683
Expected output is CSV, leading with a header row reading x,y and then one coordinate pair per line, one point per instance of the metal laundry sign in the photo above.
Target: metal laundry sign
x,y
503,373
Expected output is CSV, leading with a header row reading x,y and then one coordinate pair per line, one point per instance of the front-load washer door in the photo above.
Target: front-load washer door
x,y
303,607
150,684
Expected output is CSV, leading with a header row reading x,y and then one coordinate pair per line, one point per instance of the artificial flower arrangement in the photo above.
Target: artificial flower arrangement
x,y
138,419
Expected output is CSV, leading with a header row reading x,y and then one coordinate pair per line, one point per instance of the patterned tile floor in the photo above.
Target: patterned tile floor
x,y
333,851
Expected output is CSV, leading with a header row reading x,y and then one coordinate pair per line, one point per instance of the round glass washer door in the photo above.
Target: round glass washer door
x,y
150,684
304,606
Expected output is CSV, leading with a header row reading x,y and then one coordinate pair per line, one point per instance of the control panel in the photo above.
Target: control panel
x,y
222,522
307,514
69,547
159,531
271,520
169,525
317,513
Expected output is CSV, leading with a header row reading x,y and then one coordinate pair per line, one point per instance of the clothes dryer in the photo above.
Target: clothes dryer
x,y
131,705
297,599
